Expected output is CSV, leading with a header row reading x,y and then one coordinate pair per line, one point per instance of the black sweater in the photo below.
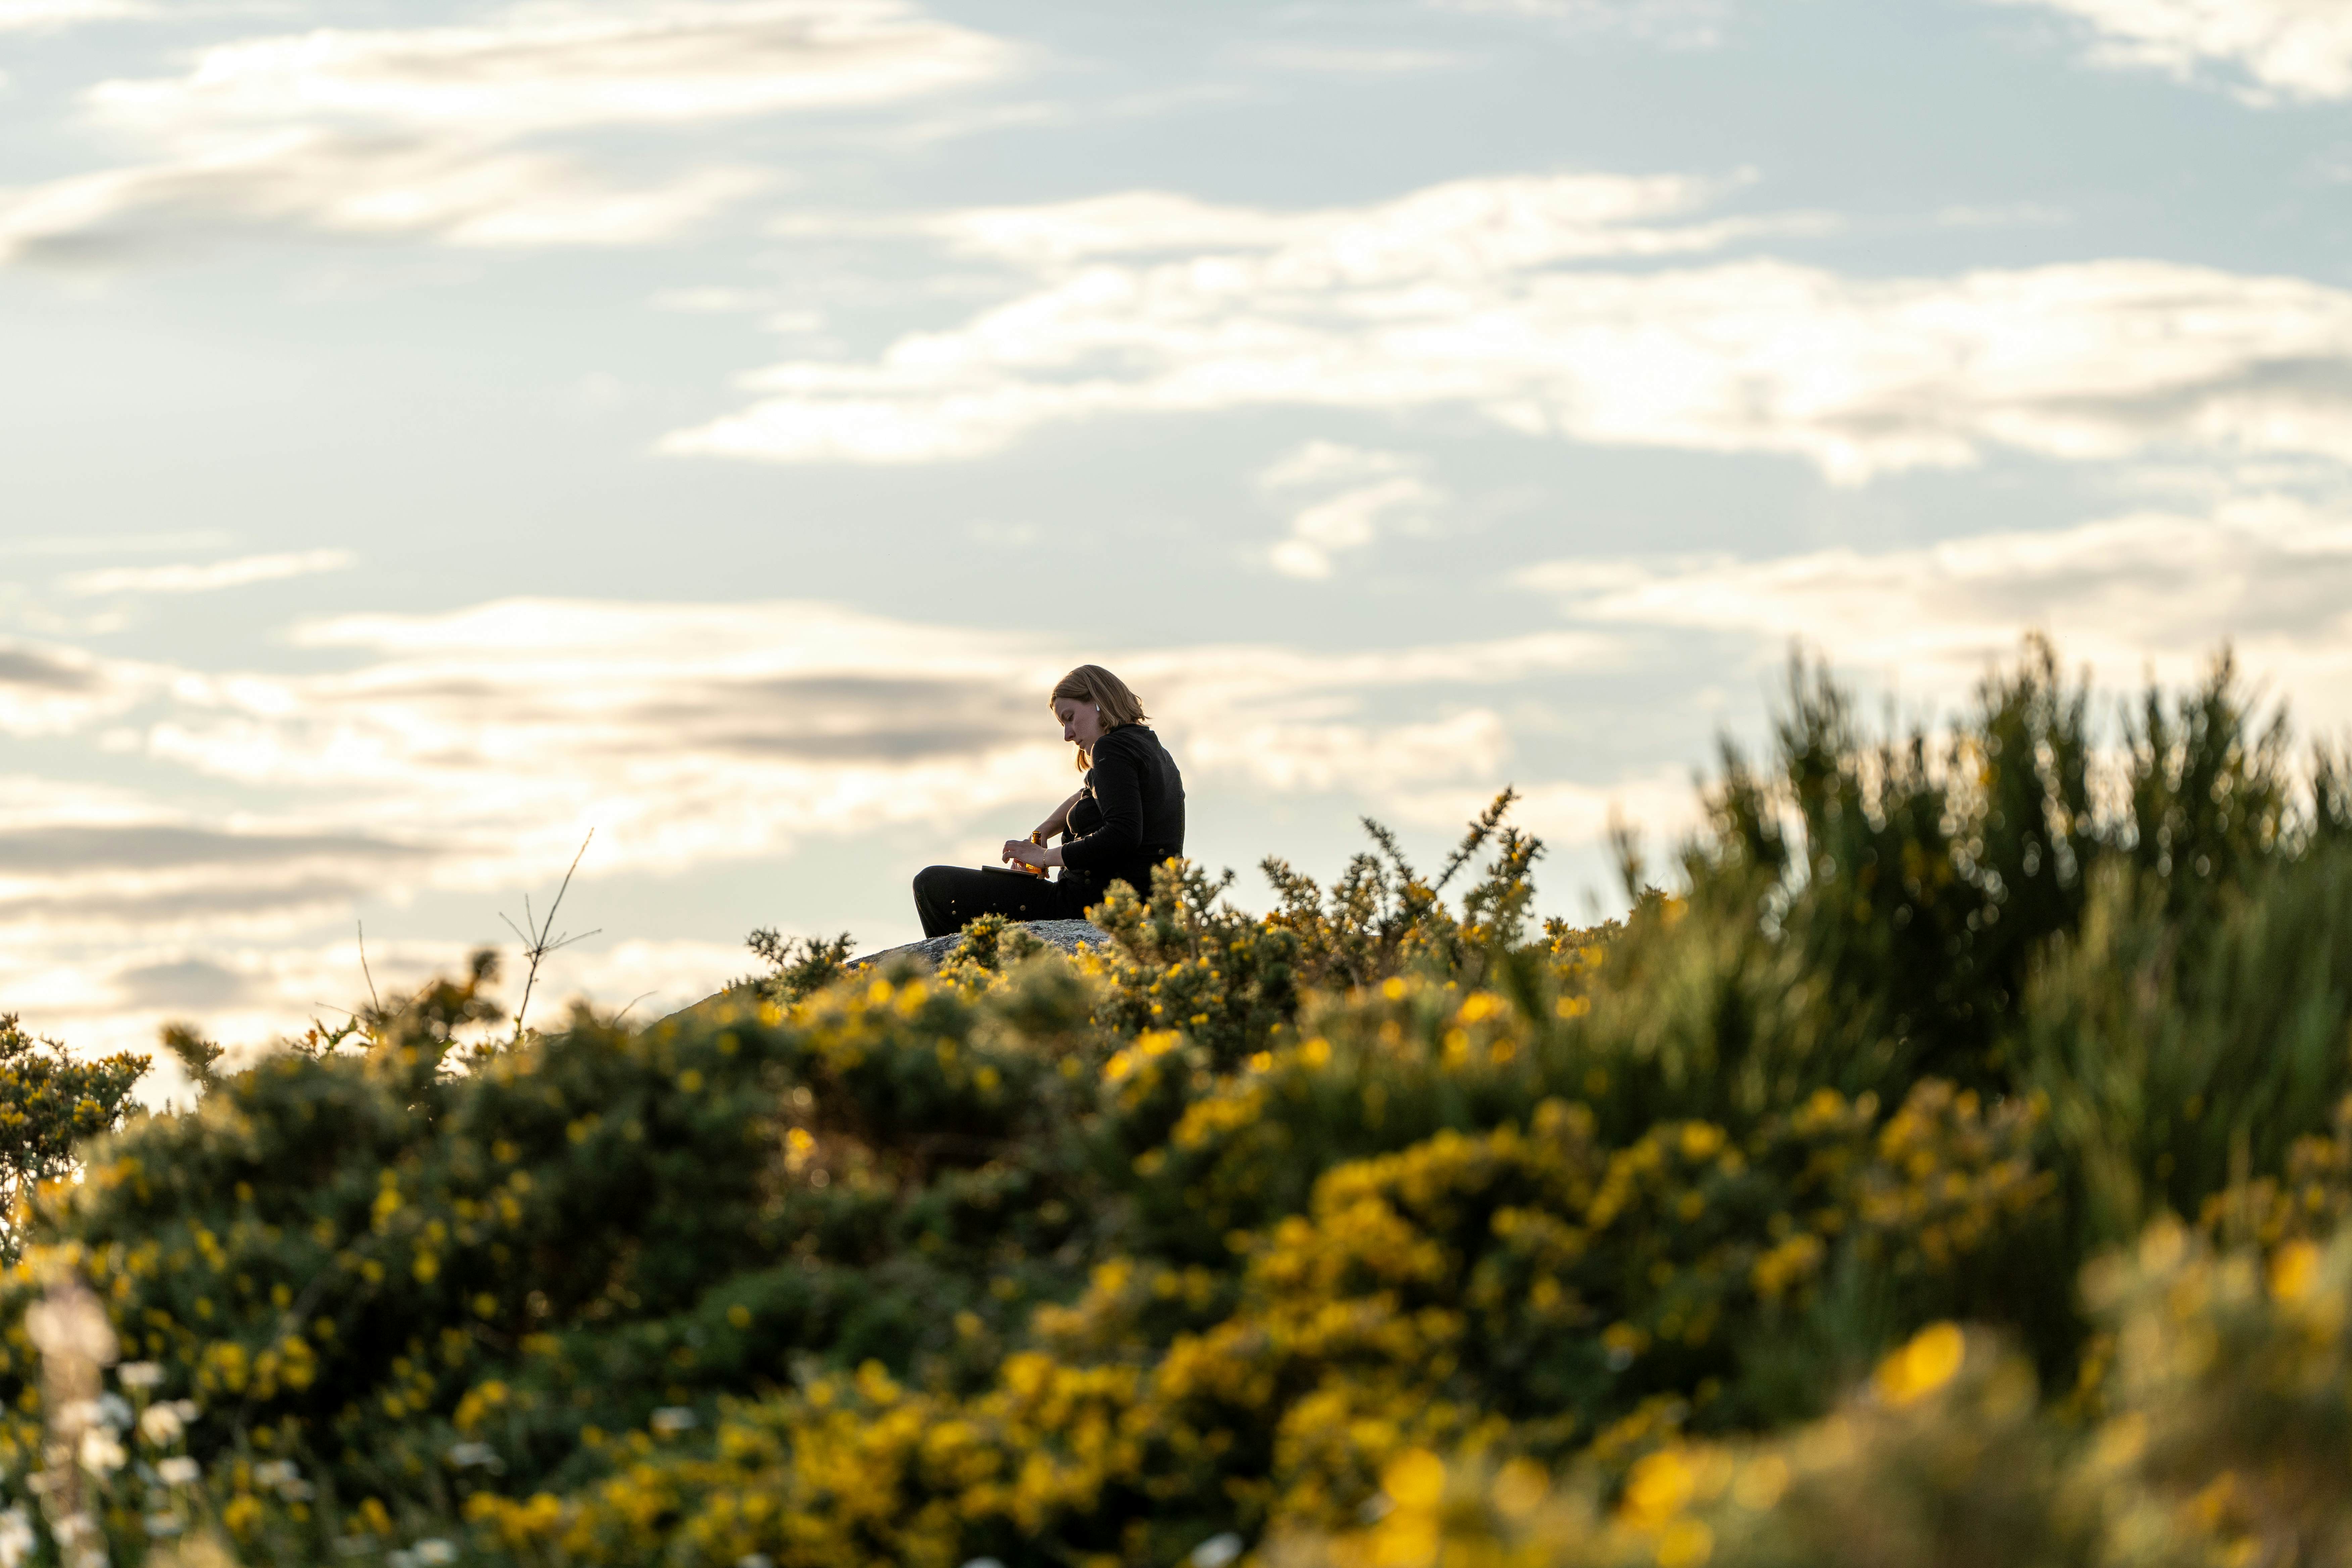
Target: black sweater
x,y
1130,815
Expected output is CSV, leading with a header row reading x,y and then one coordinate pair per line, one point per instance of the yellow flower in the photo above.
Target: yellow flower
x,y
1923,1366
1685,1543
2291,1270
1660,1485
1414,1480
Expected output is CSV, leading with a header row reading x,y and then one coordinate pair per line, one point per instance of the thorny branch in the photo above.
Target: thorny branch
x,y
537,942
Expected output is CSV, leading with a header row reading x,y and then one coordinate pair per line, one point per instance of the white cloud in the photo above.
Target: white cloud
x,y
46,689
1464,230
2151,592
209,577
471,749
412,132
114,996
564,68
1288,757
1664,804
1459,297
334,184
31,15
2273,48
468,752
1343,494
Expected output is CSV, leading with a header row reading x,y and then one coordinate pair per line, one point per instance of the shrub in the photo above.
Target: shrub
x,y
1651,1241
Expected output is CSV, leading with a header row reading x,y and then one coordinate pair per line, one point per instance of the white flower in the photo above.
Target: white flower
x,y
16,1537
178,1471
400,1560
983,1562
140,1373
114,1410
282,1475
465,1455
100,1453
672,1418
755,1560
1217,1551
435,1552
160,1524
161,1424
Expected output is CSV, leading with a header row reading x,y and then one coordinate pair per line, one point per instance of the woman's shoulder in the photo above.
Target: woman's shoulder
x,y
1137,743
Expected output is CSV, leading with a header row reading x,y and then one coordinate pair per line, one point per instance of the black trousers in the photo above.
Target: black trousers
x,y
950,898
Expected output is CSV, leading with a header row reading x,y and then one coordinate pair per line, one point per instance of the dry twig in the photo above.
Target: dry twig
x,y
537,942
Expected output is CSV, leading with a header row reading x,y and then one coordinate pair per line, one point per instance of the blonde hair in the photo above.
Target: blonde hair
x,y
1092,683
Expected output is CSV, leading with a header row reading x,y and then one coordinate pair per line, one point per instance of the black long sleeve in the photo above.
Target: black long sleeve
x,y
1117,785
1135,786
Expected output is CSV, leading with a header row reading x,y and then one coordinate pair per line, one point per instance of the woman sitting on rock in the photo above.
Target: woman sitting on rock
x,y
1127,817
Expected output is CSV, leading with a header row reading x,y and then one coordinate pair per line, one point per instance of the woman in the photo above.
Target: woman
x,y
1127,817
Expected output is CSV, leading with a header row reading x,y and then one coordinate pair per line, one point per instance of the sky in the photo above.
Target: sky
x,y
431,433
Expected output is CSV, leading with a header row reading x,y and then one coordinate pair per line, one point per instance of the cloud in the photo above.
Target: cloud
x,y
182,983
437,189
2272,49
48,690
412,132
466,752
2150,592
40,15
209,577
1462,297
567,67
469,749
158,847
63,870
1464,230
1664,802
1343,494
36,670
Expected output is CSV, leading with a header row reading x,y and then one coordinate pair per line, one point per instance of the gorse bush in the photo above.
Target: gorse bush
x,y
1947,1169
49,1102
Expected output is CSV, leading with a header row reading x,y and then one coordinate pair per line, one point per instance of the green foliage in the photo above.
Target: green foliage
x,y
2219,1440
798,965
50,1102
1546,1246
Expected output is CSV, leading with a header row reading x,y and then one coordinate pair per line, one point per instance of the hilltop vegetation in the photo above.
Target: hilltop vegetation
x,y
1949,1169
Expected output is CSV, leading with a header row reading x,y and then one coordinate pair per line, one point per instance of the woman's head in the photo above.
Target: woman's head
x,y
1091,701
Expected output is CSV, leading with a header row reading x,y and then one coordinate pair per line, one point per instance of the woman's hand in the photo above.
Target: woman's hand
x,y
1020,851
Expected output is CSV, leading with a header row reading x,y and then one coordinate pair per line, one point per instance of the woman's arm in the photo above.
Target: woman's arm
x,y
1060,821
1029,854
1118,791
1033,853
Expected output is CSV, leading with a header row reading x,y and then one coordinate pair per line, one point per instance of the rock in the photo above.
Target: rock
x,y
1067,935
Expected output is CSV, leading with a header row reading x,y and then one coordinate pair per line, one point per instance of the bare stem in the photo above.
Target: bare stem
x,y
536,934
373,1000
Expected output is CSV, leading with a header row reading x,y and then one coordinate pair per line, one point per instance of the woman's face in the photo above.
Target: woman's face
x,y
1081,724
